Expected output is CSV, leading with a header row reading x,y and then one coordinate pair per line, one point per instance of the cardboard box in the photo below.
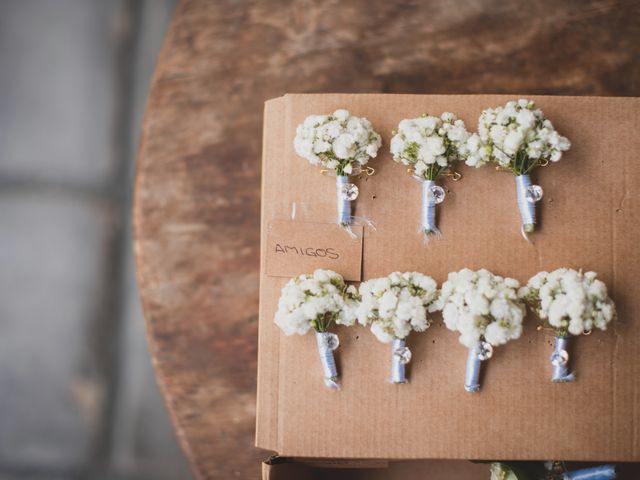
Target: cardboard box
x,y
588,219
286,469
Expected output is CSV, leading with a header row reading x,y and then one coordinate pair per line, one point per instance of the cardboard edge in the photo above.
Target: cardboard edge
x,y
516,95
284,468
270,103
278,468
266,435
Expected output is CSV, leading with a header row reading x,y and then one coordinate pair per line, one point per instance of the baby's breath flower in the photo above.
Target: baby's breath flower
x,y
396,304
337,142
517,136
430,144
569,301
481,305
315,302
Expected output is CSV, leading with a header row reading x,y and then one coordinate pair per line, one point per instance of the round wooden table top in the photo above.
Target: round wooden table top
x,y
197,194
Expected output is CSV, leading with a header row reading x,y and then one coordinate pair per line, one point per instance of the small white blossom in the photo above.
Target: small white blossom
x,y
481,305
315,301
430,144
396,304
337,142
516,136
569,301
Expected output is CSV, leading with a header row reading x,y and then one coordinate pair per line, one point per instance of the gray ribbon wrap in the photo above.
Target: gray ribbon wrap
x,y
472,375
527,209
602,472
560,361
398,348
344,205
326,358
428,213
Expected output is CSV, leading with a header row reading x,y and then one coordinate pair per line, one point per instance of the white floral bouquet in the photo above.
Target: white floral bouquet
x,y
340,143
317,301
485,309
430,146
570,303
394,306
517,137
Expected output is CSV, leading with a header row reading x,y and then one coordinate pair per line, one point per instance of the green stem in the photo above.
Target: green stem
x,y
433,171
532,166
519,164
323,322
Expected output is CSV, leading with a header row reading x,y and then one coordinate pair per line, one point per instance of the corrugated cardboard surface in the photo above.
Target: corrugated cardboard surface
x,y
588,220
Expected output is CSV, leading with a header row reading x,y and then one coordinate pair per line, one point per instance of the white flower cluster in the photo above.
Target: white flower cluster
x,y
516,136
396,304
569,301
481,305
430,144
337,141
315,301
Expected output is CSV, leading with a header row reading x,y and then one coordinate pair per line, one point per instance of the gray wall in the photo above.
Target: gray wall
x,y
77,393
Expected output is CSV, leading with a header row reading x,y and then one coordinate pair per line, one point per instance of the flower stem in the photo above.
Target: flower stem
x,y
433,171
322,322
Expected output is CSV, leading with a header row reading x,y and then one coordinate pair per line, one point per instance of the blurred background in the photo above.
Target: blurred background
x,y
77,394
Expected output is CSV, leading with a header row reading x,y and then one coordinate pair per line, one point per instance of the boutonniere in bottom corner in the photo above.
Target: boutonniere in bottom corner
x,y
342,145
394,306
430,146
487,312
518,138
556,470
318,302
570,303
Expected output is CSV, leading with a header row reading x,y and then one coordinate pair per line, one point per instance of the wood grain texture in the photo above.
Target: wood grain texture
x,y
196,210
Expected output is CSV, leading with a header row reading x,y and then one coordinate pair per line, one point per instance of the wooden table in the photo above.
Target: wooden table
x,y
197,196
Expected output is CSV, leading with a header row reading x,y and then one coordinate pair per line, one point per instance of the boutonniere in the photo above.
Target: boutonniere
x,y
568,302
317,302
518,137
487,312
553,470
394,306
342,145
430,147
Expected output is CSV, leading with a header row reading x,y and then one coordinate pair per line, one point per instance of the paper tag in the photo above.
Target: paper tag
x,y
294,248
